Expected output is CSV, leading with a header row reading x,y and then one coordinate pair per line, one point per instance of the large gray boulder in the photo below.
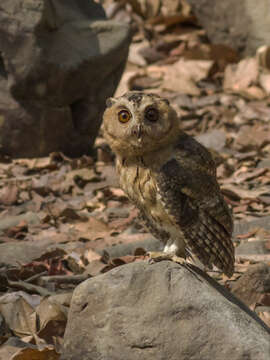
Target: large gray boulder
x,y
59,61
243,24
161,311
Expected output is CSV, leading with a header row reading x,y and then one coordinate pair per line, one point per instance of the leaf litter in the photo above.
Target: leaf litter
x,y
61,216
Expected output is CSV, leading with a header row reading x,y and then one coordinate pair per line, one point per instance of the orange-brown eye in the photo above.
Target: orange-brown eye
x,y
124,116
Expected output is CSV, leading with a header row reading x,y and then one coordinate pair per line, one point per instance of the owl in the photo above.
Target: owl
x,y
171,178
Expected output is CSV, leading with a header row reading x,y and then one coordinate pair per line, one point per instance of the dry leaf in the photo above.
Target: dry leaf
x,y
239,77
265,316
135,56
264,81
92,230
9,194
90,255
238,192
183,75
52,320
15,349
19,313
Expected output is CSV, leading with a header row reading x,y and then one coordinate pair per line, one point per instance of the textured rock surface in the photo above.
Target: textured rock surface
x,y
160,311
243,24
59,61
21,253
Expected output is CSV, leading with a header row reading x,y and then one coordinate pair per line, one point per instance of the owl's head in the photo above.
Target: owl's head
x,y
137,123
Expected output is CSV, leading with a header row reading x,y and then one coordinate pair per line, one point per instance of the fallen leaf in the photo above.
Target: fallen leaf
x,y
183,75
248,235
238,192
9,194
250,137
15,349
135,56
240,177
92,229
52,320
90,255
18,231
265,316
264,81
238,77
19,313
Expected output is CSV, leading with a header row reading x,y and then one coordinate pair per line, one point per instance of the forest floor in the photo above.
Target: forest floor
x,y
59,214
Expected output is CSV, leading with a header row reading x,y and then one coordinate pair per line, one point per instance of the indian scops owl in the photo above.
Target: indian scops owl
x,y
171,178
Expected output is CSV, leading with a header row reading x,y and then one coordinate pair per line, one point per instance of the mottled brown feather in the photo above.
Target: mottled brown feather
x,y
171,178
192,196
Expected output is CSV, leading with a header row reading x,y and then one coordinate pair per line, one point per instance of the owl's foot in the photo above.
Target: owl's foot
x,y
160,256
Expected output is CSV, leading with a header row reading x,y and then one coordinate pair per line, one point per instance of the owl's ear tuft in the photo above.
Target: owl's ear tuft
x,y
110,101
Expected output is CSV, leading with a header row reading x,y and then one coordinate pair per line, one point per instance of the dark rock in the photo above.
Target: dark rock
x,y
59,61
161,311
243,25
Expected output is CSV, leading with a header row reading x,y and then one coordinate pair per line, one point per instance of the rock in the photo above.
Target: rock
x,y
23,252
265,163
161,311
245,28
244,227
59,61
10,221
252,286
61,298
253,247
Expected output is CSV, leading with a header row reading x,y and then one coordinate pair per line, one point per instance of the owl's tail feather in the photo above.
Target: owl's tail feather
x,y
209,241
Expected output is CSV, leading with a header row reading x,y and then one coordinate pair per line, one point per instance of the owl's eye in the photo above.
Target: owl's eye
x,y
124,116
151,114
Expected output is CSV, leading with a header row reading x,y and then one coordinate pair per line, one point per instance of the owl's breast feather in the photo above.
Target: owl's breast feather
x,y
140,186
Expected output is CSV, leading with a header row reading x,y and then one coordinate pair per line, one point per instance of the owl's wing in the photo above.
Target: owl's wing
x,y
191,195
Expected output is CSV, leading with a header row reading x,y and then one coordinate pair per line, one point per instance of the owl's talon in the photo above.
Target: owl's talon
x,y
160,256
179,260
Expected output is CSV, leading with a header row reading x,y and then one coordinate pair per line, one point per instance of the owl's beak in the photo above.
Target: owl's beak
x,y
137,131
